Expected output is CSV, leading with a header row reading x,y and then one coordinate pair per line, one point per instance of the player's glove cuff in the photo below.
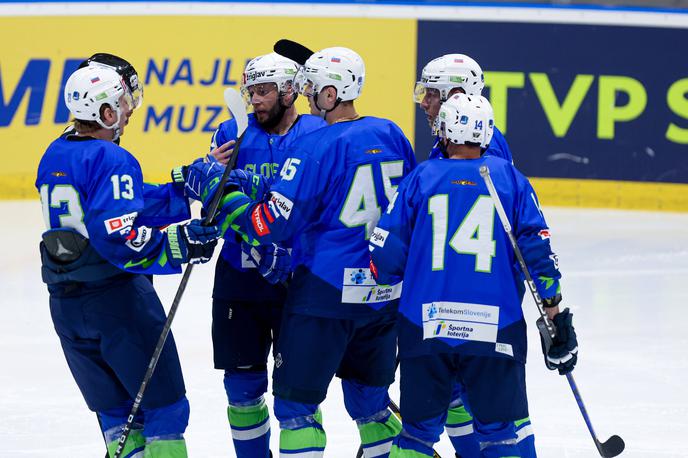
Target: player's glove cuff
x,y
178,177
550,302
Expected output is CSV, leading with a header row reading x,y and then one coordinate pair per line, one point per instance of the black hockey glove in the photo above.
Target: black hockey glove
x,y
561,353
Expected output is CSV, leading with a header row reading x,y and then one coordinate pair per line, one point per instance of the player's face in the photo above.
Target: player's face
x,y
431,104
127,110
264,99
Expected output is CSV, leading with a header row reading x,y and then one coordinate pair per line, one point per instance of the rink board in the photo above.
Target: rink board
x,y
592,102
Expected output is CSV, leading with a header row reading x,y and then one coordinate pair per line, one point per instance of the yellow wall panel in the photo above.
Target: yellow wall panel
x,y
190,47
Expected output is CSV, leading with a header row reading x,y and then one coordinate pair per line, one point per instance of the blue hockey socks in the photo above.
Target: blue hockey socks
x,y
301,431
248,415
367,405
459,428
497,440
525,438
162,434
417,438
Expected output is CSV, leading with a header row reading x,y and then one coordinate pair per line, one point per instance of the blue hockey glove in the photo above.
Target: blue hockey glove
x,y
562,352
191,242
252,184
273,261
200,177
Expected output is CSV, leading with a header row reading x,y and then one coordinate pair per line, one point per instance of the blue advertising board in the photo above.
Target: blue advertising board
x,y
577,101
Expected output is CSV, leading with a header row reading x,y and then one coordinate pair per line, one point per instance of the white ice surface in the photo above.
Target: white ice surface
x,y
625,278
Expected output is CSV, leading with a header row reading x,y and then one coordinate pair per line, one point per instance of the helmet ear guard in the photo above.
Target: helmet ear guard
x,y
466,120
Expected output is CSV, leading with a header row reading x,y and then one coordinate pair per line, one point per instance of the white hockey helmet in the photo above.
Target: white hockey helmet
x,y
89,88
340,67
270,68
449,72
466,119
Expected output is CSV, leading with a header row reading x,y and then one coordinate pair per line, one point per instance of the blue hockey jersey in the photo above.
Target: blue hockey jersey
x,y
331,191
498,147
96,188
261,153
462,285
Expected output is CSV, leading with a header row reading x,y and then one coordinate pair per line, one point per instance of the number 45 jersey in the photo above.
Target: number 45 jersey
x,y
333,187
462,284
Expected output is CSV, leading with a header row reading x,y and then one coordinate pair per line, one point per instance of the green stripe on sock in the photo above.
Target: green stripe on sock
x,y
397,452
166,449
518,423
135,440
375,431
304,438
458,415
243,417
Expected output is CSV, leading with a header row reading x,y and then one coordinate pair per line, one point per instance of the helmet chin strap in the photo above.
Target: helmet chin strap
x,y
323,112
443,149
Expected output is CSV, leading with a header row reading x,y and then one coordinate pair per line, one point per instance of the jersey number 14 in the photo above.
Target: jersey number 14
x,y
473,237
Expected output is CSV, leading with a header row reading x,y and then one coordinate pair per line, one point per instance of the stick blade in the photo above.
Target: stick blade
x,y
292,50
235,104
612,447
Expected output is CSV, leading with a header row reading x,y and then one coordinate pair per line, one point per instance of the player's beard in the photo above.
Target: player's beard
x,y
274,116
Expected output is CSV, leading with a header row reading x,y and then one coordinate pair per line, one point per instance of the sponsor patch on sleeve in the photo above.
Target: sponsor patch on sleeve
x,y
379,237
283,204
120,224
544,234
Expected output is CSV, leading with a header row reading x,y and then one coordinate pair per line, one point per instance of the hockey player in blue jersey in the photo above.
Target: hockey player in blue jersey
x,y
337,321
102,223
448,75
440,79
460,314
247,309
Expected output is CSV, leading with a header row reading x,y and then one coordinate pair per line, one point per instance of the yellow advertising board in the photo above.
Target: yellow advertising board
x,y
185,64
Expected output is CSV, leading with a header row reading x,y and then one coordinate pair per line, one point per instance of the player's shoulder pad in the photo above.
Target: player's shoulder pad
x,y
114,154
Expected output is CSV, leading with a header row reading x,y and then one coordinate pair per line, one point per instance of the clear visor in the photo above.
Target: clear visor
x,y
136,96
421,91
130,100
246,95
303,85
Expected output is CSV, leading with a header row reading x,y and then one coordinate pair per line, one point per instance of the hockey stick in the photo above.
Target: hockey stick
x,y
236,106
292,50
614,445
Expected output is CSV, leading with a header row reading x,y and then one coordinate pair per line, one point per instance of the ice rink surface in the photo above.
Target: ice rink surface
x,y
625,279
